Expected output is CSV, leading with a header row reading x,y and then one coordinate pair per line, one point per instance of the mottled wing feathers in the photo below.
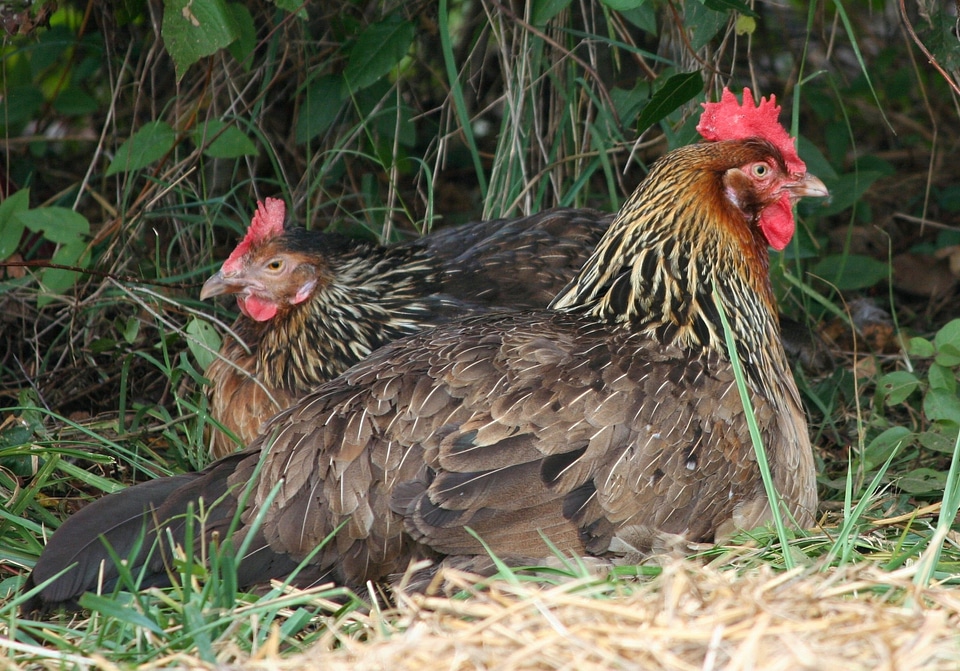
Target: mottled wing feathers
x,y
643,442
516,262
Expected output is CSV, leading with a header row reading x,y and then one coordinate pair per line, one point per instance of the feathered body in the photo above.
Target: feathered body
x,y
600,427
316,303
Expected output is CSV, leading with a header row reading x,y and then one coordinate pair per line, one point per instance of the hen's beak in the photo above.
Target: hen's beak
x,y
217,285
808,187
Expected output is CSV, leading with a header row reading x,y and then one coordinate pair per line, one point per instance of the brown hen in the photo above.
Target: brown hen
x,y
313,304
601,427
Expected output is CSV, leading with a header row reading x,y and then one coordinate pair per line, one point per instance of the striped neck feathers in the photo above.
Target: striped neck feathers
x,y
678,239
373,297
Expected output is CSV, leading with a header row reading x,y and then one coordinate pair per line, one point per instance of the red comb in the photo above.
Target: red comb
x,y
267,222
729,120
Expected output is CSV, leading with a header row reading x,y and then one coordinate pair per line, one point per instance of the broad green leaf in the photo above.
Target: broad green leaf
x,y
378,49
881,447
941,377
941,438
623,5
731,6
147,145
193,29
205,350
246,42
941,405
322,102
544,10
113,609
922,481
851,271
703,22
947,342
896,387
676,91
847,190
293,6
75,101
11,227
57,224
57,280
921,347
229,142
643,16
20,105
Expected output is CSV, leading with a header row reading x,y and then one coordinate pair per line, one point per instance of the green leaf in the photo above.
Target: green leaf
x,y
941,377
205,341
11,226
56,281
941,405
940,438
947,342
676,91
229,142
148,144
544,10
292,6
57,224
922,481
246,42
847,190
193,29
20,105
113,609
896,387
322,102
703,22
851,271
378,50
881,447
731,6
921,347
623,5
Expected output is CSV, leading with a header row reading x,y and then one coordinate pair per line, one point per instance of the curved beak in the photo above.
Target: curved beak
x,y
217,285
808,187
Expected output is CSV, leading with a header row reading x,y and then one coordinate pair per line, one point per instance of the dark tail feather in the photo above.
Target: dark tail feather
x,y
120,520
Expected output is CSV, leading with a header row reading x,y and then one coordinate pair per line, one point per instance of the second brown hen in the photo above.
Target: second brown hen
x,y
313,304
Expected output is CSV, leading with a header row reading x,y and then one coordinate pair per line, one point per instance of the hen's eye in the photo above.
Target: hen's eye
x,y
761,169
276,264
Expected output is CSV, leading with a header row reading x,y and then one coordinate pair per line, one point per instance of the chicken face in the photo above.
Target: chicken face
x,y
266,281
766,192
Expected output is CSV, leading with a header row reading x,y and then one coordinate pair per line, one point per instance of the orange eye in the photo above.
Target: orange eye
x,y
275,265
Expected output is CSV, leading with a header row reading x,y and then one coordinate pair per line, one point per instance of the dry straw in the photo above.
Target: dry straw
x,y
690,617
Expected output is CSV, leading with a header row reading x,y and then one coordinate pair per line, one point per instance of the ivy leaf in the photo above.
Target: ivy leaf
x,y
378,49
148,144
676,91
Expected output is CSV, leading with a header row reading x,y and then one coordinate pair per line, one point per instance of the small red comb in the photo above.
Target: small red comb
x,y
267,222
729,120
